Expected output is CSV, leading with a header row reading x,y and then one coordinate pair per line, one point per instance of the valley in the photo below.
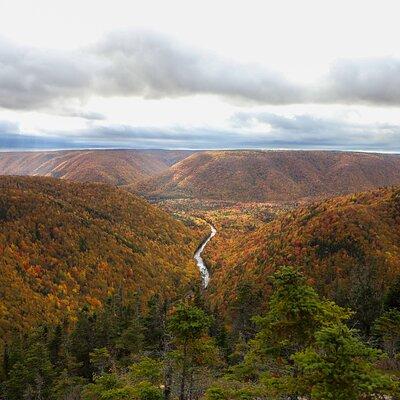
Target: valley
x,y
108,267
199,200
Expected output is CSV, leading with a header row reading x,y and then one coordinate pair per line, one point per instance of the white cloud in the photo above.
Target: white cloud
x,y
73,66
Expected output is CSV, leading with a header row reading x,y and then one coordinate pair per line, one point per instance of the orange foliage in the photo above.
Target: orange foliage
x,y
64,244
271,175
349,248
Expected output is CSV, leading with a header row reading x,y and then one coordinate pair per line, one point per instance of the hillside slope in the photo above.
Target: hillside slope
x,y
66,244
272,175
115,167
348,246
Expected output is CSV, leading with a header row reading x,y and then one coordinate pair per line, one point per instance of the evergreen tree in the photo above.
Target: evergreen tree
x,y
387,330
339,366
295,313
82,341
32,377
188,326
303,350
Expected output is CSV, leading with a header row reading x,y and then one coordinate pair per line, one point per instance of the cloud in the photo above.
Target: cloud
x,y
32,78
149,65
308,131
11,138
146,64
248,130
363,81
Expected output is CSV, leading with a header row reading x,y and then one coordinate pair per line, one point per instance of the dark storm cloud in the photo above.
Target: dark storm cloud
x,y
152,66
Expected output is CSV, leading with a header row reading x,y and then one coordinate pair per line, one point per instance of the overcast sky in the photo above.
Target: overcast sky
x,y
200,74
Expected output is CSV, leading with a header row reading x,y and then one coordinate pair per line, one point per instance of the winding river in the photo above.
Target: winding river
x,y
205,275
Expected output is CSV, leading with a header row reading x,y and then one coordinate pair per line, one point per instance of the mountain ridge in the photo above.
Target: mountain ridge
x,y
273,175
116,167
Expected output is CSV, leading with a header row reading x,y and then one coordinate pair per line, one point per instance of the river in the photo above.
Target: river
x,y
205,275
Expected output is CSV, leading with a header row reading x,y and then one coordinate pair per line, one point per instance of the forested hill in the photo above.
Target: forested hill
x,y
66,244
272,175
115,167
349,247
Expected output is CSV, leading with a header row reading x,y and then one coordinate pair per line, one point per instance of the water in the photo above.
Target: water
x,y
205,275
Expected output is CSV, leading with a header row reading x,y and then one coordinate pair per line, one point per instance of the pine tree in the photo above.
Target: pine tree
x,y
188,326
339,366
295,313
32,377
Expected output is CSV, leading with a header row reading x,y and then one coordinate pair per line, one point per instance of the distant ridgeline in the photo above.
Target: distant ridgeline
x,y
114,167
262,176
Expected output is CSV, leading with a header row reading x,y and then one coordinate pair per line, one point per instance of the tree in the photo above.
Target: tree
x,y
31,378
387,330
147,369
339,366
154,324
142,382
101,360
303,350
188,326
132,338
295,313
392,297
83,341
245,306
67,387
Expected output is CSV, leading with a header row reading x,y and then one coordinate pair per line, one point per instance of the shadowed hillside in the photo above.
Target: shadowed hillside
x,y
115,167
349,247
66,244
272,175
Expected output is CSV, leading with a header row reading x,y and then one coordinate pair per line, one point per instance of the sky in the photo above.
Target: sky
x,y
200,74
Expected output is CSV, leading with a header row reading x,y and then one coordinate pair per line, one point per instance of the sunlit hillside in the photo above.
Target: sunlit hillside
x,y
114,167
67,244
272,175
349,248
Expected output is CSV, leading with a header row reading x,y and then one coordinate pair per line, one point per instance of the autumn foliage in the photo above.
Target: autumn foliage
x,y
114,167
261,176
349,248
64,245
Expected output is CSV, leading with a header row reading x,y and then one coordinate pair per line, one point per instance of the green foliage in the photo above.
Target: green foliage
x,y
102,387
142,382
188,323
303,349
193,347
392,298
295,313
32,376
101,360
132,338
339,367
67,387
146,391
387,330
148,369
